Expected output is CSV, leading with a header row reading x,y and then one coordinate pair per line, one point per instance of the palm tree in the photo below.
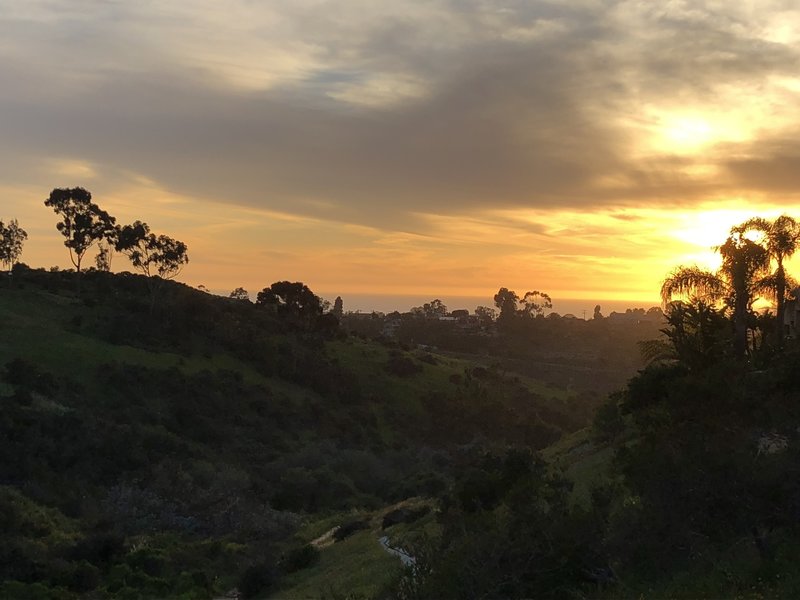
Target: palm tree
x,y
782,238
738,282
695,335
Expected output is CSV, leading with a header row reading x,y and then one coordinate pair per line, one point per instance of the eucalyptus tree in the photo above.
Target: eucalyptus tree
x,y
292,300
781,238
738,283
12,237
506,301
82,222
240,294
535,303
157,257
160,256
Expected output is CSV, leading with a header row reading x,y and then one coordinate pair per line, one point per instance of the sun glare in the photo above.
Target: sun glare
x,y
703,230
687,132
696,130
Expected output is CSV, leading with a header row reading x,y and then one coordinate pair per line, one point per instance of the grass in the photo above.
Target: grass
x,y
355,567
461,361
583,462
368,359
37,326
314,529
410,535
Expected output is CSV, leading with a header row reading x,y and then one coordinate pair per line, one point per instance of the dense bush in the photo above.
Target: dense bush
x,y
298,558
402,366
257,579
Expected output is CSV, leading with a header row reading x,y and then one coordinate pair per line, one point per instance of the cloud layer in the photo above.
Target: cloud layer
x,y
400,116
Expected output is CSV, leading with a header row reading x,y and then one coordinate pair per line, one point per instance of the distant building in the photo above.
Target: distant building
x,y
791,314
637,315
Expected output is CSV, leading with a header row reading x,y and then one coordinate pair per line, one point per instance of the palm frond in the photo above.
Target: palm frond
x,y
766,287
791,283
758,224
693,282
656,350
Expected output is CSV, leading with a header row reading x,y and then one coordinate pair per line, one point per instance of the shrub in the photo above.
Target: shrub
x,y
402,366
299,558
257,579
85,577
348,529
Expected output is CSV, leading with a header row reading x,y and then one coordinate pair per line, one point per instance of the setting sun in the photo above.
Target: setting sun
x,y
688,133
384,171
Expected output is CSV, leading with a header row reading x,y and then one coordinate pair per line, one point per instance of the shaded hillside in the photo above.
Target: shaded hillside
x,y
595,356
686,487
199,434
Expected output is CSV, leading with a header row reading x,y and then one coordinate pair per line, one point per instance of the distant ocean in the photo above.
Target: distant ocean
x,y
388,303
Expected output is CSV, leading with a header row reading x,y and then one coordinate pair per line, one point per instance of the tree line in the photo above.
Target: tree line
x,y
83,224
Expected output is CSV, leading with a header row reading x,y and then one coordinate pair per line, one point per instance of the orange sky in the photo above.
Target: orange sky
x,y
431,148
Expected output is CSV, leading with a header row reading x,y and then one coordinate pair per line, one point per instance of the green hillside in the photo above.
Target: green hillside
x,y
180,450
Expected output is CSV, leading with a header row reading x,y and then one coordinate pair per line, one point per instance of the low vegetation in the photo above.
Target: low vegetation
x,y
177,450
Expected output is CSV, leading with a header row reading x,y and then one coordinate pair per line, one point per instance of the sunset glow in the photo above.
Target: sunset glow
x,y
688,133
407,148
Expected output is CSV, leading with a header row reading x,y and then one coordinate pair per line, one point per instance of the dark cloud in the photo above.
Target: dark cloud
x,y
775,168
519,106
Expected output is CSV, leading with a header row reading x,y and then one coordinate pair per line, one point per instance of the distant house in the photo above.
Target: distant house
x,y
791,314
392,323
637,315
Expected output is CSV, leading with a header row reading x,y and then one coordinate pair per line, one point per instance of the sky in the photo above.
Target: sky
x,y
440,148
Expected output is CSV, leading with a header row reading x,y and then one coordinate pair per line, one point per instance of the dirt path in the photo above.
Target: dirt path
x,y
326,539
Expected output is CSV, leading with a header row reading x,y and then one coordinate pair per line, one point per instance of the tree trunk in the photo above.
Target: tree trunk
x,y
780,291
740,325
78,267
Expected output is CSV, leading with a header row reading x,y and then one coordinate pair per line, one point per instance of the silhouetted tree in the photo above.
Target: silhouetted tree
x,y
486,314
434,309
239,294
696,333
781,238
153,255
737,283
430,310
12,237
157,257
292,299
535,303
82,222
338,307
506,301
104,255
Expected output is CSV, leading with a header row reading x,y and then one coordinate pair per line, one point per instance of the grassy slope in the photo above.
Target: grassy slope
x,y
360,566
43,328
36,325
582,462
357,566
39,326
